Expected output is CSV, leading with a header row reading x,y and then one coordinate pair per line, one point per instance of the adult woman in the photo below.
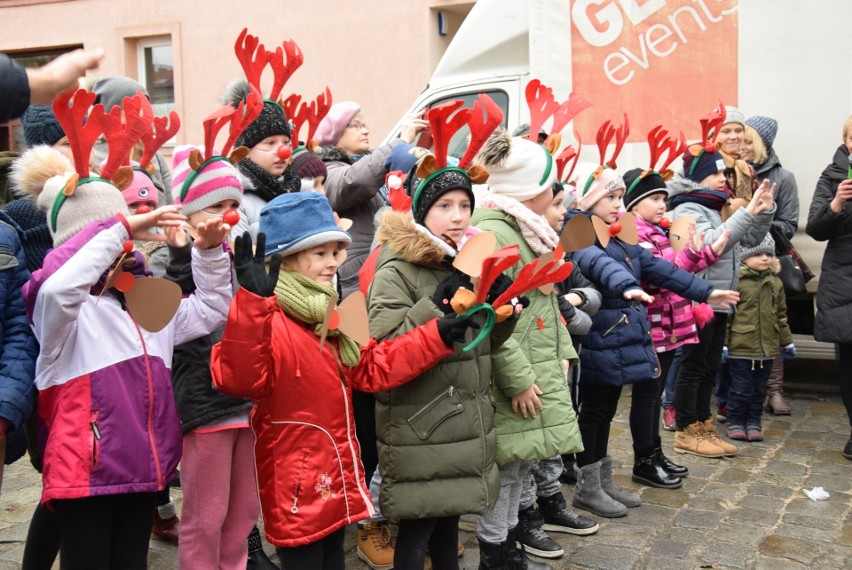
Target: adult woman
x,y
830,219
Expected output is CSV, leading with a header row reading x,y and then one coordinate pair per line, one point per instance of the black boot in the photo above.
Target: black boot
x,y
847,451
559,518
665,463
515,558
568,476
533,538
257,558
491,555
647,471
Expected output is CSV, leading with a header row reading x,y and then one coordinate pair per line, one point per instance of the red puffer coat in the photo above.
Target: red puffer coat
x,y
308,461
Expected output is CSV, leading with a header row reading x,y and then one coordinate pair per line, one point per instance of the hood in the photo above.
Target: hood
x,y
772,161
838,170
398,234
680,184
334,154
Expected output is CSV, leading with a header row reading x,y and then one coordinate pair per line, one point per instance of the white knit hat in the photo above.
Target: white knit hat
x,y
517,167
591,188
94,200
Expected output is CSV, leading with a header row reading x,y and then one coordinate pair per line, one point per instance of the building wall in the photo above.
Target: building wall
x,y
379,53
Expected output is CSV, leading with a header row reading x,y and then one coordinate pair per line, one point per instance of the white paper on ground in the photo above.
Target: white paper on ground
x,y
817,494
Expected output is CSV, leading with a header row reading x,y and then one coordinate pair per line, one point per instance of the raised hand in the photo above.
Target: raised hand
x,y
721,243
251,266
638,295
724,298
165,217
211,233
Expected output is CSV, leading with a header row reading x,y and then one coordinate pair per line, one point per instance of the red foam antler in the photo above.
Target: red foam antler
x,y
485,117
244,115
164,129
604,137
659,143
711,124
286,59
311,113
568,155
71,109
493,266
252,55
531,276
566,112
121,135
445,122
542,105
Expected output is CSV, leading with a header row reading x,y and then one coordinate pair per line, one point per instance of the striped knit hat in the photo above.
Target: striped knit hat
x,y
215,180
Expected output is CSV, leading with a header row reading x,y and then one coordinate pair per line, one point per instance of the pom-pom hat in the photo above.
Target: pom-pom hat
x,y
298,221
517,167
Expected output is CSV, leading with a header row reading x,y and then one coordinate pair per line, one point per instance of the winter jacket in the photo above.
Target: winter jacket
x,y
308,461
545,344
198,401
746,231
672,323
618,350
834,295
18,348
352,190
249,210
759,328
14,89
786,194
105,394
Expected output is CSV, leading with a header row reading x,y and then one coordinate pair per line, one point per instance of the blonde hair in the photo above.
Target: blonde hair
x,y
846,126
758,147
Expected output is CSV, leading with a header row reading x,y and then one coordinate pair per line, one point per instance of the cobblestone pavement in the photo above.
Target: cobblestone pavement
x,y
746,512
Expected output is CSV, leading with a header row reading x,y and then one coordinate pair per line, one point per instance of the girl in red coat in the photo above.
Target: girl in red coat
x,y
308,461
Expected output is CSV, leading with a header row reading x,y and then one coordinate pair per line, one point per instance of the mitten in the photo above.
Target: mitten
x,y
451,328
447,288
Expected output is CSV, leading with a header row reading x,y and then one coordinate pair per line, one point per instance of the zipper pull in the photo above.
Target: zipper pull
x,y
95,429
452,389
295,508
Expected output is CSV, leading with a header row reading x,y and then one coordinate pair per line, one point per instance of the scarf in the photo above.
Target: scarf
x,y
713,199
307,301
534,228
267,186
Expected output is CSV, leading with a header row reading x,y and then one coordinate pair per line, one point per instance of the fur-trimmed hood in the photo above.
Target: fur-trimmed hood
x,y
397,232
746,271
334,154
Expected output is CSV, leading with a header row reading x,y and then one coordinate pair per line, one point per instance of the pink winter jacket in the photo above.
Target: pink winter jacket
x,y
670,315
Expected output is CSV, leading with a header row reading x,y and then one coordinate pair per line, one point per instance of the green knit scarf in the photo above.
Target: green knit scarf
x,y
307,300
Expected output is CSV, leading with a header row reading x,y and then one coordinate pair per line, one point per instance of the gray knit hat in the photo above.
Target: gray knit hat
x,y
111,91
92,201
766,246
766,127
40,126
734,115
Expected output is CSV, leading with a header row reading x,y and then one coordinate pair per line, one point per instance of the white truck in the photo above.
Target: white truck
x,y
668,62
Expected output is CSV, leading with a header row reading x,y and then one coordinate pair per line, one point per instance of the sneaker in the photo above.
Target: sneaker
x,y
754,433
530,536
722,413
736,432
374,545
693,440
559,518
669,417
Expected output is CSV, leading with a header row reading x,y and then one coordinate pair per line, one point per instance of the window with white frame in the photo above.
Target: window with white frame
x,y
157,73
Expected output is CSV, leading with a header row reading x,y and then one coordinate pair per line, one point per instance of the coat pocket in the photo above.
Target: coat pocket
x,y
442,407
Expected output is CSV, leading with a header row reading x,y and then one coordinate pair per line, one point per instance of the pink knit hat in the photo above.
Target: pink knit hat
x,y
334,123
215,181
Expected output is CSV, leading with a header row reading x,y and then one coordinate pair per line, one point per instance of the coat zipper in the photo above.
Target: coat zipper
x,y
623,319
155,454
432,402
96,433
481,427
295,508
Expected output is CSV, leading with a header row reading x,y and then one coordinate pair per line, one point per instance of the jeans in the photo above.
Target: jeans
x,y
671,377
324,554
723,384
698,367
748,390
440,534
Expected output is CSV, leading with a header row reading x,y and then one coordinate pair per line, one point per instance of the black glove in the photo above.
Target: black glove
x,y
568,310
524,301
447,288
451,328
251,267
500,284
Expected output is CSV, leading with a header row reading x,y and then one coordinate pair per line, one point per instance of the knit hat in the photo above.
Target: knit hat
x,y
141,189
518,168
308,165
594,182
733,115
215,181
697,168
40,126
92,201
639,187
446,181
35,235
766,127
299,221
111,91
269,123
766,246
334,123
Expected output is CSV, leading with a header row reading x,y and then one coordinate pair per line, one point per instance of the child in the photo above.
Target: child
x,y
755,333
618,349
308,465
520,191
700,193
111,436
670,315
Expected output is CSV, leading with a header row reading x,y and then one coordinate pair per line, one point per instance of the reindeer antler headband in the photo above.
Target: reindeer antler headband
x,y
606,133
660,143
710,125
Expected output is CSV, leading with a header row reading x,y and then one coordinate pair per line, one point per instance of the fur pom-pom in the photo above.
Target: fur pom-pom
x,y
496,148
236,91
35,167
703,314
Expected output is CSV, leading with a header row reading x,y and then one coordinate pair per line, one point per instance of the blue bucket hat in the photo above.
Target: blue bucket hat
x,y
298,221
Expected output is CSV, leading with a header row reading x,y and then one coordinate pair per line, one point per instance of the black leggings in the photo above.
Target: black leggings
x,y
598,404
845,354
697,377
440,534
645,409
111,531
364,410
324,554
42,540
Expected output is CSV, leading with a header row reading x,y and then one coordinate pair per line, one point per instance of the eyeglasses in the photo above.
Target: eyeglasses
x,y
358,126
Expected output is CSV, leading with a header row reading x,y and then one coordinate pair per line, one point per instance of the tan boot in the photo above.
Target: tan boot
x,y
713,437
692,440
774,390
374,545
